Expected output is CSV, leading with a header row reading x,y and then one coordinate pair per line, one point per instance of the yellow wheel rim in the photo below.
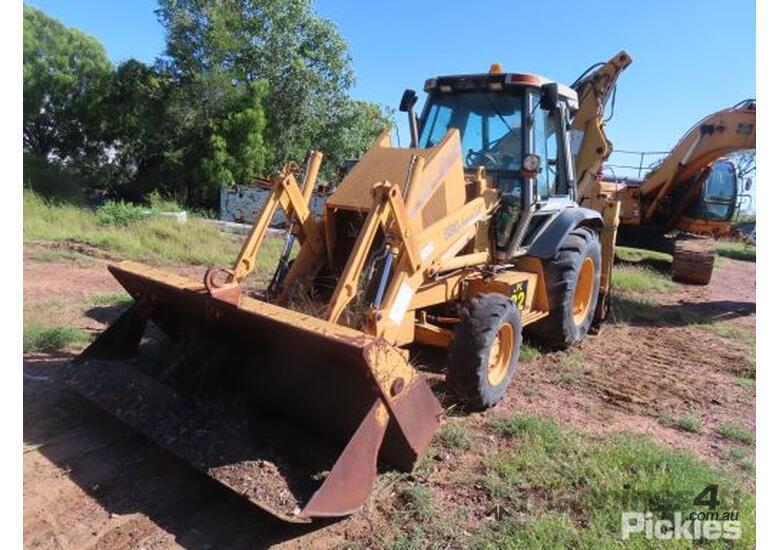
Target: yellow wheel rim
x,y
500,354
583,291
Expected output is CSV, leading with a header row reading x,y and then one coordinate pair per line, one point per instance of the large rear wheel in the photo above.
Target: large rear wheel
x,y
485,350
572,278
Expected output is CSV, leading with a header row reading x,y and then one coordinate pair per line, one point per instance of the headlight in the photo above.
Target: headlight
x,y
531,163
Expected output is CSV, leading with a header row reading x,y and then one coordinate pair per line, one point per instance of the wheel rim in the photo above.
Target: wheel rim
x,y
500,354
583,291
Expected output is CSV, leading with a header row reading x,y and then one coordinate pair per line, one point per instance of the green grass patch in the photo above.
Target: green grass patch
x,y
454,435
529,353
737,432
151,239
417,502
637,255
566,489
688,423
746,382
43,338
110,299
120,213
736,250
637,278
571,365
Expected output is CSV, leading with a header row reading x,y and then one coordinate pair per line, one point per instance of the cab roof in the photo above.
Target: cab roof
x,y
498,81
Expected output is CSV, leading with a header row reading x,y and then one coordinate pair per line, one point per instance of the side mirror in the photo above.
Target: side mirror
x,y
549,98
407,101
748,184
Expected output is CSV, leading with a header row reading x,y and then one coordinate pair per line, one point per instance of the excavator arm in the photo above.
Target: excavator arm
x,y
714,136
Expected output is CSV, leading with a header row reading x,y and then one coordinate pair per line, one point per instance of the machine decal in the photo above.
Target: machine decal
x,y
519,294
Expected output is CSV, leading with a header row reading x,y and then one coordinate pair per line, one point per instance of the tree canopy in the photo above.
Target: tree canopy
x,y
242,87
66,74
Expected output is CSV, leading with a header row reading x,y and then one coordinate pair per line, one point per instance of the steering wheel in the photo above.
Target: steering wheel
x,y
480,158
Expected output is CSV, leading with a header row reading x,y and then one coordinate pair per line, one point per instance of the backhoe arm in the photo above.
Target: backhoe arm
x,y
594,90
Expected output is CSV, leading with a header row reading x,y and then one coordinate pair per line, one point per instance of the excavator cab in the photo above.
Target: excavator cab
x,y
513,128
717,200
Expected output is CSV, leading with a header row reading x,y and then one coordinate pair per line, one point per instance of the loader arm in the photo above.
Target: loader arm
x,y
285,194
714,136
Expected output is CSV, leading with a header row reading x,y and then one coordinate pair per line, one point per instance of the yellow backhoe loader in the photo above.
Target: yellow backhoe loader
x,y
464,240
693,192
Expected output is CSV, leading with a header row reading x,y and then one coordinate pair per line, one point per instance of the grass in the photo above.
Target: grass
x,y
686,423
110,299
51,338
571,367
737,432
736,250
634,255
745,382
126,236
567,489
454,435
638,278
743,458
529,353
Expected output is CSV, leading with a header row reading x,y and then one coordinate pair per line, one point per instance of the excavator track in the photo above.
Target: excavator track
x,y
693,260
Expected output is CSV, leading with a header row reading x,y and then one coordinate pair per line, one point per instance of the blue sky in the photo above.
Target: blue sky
x,y
691,57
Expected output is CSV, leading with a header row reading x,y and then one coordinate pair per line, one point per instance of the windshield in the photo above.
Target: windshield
x,y
490,126
719,195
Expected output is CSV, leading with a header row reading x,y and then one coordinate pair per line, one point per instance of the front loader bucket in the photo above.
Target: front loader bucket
x,y
288,410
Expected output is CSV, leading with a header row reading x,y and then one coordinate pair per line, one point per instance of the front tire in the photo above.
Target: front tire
x,y
485,350
572,278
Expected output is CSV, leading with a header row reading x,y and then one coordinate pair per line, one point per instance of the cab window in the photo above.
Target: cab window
x,y
546,144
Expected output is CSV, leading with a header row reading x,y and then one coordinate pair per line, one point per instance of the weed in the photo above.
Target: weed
x,y
737,432
746,382
42,338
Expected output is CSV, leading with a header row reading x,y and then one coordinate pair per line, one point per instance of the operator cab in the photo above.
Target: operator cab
x,y
515,126
717,200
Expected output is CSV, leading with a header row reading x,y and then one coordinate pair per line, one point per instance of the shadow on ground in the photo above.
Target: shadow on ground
x,y
641,313
126,473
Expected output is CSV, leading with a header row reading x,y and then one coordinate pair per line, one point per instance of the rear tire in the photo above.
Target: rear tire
x,y
576,265
485,350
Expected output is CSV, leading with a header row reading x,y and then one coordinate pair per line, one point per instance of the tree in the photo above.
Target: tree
x,y
745,162
301,57
65,75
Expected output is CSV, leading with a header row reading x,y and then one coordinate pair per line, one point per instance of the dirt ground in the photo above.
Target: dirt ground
x,y
89,482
